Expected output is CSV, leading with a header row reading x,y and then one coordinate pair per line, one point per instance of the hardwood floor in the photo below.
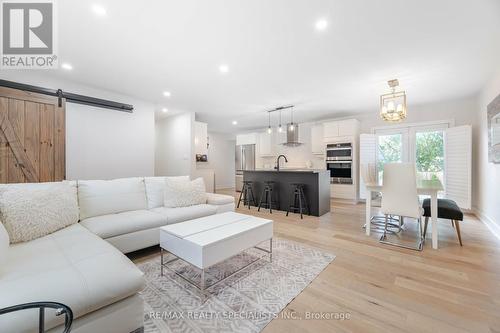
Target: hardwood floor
x,y
390,289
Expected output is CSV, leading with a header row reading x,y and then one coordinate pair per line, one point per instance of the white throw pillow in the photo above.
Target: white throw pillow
x,y
155,189
4,245
30,211
183,194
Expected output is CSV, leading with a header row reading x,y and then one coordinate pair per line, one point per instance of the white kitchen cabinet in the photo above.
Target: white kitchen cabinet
x,y
317,142
201,138
331,129
348,127
246,139
265,146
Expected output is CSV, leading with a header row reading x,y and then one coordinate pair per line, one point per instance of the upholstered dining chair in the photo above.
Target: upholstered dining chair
x,y
400,197
369,175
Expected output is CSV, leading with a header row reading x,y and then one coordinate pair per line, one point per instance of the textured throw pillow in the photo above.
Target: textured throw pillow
x,y
4,245
155,189
180,193
35,210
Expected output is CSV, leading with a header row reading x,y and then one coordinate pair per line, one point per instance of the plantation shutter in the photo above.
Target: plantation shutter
x,y
367,160
458,165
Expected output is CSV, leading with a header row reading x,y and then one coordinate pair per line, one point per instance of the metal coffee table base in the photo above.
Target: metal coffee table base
x,y
203,287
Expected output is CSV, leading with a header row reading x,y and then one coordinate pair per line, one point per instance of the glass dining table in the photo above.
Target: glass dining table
x,y
424,187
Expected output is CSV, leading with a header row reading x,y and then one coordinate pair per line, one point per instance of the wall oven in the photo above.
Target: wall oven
x,y
340,172
339,163
339,152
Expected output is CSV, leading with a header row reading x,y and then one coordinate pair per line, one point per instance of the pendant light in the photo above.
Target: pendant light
x,y
269,128
292,126
280,129
393,104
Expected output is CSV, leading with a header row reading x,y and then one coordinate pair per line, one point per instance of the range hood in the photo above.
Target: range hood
x,y
292,136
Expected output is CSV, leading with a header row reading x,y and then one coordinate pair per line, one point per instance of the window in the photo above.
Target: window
x,y
422,144
389,150
429,155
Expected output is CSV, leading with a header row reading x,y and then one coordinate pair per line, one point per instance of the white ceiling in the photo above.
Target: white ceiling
x,y
437,49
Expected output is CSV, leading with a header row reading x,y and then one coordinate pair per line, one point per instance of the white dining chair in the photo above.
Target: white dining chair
x,y
369,175
399,197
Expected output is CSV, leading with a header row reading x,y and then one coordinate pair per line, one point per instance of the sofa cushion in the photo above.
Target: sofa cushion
x,y
181,214
155,189
72,266
112,225
30,211
102,197
183,194
219,199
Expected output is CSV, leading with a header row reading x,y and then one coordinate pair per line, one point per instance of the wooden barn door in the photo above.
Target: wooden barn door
x,y
32,137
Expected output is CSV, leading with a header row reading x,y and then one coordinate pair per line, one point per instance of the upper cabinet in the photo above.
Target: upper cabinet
x,y
331,129
247,139
265,144
342,128
200,138
317,140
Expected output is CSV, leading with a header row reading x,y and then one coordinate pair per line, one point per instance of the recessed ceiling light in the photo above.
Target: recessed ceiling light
x,y
99,10
66,66
164,110
224,68
321,24
235,122
167,94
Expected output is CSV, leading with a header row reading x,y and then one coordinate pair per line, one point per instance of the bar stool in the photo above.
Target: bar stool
x,y
298,198
247,194
266,198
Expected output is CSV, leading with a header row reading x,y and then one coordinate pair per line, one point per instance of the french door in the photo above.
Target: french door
x,y
422,145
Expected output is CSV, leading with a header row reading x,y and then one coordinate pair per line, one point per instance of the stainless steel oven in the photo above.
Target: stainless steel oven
x,y
340,171
339,152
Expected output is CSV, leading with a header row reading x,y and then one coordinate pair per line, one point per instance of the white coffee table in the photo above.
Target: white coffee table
x,y
209,240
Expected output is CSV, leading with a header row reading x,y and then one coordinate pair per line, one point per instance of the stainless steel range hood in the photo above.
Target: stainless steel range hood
x,y
292,136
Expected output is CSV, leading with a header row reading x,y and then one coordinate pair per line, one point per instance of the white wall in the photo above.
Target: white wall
x,y
175,145
487,174
101,143
221,158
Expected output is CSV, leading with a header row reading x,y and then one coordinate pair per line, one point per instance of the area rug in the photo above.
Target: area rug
x,y
245,302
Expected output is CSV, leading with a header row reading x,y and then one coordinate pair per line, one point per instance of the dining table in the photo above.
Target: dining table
x,y
424,187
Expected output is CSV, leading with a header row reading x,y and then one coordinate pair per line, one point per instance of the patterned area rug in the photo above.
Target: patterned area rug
x,y
245,302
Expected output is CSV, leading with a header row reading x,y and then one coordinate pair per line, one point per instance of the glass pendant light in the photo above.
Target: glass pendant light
x,y
269,128
292,126
280,129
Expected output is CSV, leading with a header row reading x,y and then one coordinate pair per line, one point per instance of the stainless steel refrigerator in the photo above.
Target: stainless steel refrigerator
x,y
245,160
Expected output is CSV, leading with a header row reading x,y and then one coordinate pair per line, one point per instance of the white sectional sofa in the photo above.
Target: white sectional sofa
x,y
83,265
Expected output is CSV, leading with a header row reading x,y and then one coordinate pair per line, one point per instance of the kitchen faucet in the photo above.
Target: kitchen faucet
x,y
277,167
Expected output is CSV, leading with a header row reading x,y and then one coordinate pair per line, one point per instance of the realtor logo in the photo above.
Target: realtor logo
x,y
28,35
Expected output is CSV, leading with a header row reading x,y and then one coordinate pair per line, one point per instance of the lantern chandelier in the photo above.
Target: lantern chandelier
x,y
393,104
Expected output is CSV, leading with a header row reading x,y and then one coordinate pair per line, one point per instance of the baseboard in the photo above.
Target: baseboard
x,y
489,222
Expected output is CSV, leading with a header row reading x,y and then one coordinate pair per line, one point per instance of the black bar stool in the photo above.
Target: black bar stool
x,y
298,200
266,198
247,194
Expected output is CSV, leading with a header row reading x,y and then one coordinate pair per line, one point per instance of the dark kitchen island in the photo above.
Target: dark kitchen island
x,y
316,186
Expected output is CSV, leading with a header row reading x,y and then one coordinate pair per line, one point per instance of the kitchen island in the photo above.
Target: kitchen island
x,y
316,186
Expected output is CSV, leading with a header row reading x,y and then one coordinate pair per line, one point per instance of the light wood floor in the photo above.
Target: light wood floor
x,y
390,289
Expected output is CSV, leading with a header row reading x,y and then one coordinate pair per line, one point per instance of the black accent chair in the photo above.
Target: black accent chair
x,y
298,200
247,194
268,197
447,209
59,307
